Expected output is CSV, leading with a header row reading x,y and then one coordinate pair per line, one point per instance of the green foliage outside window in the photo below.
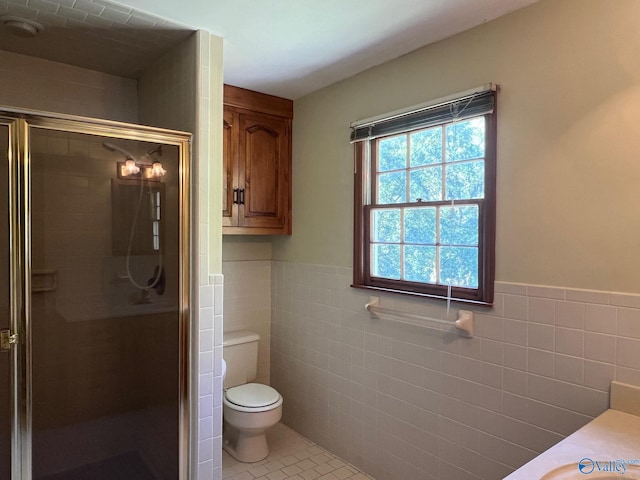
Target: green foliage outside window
x,y
422,229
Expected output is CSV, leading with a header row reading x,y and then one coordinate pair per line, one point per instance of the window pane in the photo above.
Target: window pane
x,y
392,187
465,139
420,225
459,225
420,264
392,153
426,147
459,266
465,180
385,261
426,184
385,225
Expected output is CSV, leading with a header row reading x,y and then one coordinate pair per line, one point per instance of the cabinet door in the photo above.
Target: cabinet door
x,y
229,168
264,164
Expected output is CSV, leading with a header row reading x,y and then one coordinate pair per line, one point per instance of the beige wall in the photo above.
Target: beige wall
x,y
567,141
542,359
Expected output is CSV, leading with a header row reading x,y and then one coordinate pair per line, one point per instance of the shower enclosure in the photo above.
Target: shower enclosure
x,y
93,300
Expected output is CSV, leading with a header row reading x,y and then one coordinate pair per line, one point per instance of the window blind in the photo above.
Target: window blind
x,y
472,105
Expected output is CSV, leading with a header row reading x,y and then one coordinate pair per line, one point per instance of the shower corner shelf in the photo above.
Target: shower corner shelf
x,y
44,280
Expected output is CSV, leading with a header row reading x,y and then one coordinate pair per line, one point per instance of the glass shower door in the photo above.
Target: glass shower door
x,y
5,357
105,308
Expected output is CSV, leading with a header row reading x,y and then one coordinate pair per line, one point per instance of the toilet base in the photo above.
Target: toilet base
x,y
248,447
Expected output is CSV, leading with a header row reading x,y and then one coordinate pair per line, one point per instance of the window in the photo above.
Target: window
x,y
425,200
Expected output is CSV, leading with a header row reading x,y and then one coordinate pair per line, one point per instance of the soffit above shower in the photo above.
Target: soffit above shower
x,y
92,34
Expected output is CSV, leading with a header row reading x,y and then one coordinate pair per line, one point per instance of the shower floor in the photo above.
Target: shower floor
x,y
128,466
291,457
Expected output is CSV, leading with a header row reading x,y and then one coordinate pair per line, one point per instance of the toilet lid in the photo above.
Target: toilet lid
x,y
252,395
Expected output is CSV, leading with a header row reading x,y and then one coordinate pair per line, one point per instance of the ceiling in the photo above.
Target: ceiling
x,y
283,47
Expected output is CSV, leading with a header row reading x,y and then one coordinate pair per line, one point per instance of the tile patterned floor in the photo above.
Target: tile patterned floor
x,y
291,457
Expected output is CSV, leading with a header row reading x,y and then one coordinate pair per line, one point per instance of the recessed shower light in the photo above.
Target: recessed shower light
x,y
21,27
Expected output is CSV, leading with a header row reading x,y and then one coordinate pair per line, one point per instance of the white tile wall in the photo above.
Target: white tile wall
x,y
406,402
247,305
210,380
205,150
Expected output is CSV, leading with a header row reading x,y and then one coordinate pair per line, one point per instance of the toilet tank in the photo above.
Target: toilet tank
x,y
240,351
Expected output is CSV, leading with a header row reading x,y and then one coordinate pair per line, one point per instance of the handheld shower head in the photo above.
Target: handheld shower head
x,y
157,150
114,148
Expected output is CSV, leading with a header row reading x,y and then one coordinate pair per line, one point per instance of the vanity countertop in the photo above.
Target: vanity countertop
x,y
612,440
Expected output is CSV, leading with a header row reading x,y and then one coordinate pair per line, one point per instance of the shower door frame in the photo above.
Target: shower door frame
x,y
19,123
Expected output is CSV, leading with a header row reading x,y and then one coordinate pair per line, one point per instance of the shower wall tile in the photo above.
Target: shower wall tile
x,y
36,84
539,368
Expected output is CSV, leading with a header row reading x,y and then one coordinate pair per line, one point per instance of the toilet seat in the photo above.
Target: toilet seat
x,y
252,397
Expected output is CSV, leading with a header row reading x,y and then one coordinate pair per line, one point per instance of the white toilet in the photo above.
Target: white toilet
x,y
249,409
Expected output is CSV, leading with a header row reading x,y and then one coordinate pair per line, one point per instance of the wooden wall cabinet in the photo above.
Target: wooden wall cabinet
x,y
257,163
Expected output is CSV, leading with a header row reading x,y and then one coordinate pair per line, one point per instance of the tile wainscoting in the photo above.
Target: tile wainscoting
x,y
400,401
247,305
210,379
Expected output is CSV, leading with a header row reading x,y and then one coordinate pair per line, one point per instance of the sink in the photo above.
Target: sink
x,y
606,448
590,471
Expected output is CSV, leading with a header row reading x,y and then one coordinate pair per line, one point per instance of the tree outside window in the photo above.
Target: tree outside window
x,y
425,210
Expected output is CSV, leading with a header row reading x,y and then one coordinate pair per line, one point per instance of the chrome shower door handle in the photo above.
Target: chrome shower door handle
x,y
7,340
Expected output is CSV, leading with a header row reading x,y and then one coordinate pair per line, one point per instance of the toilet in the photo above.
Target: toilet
x,y
248,409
